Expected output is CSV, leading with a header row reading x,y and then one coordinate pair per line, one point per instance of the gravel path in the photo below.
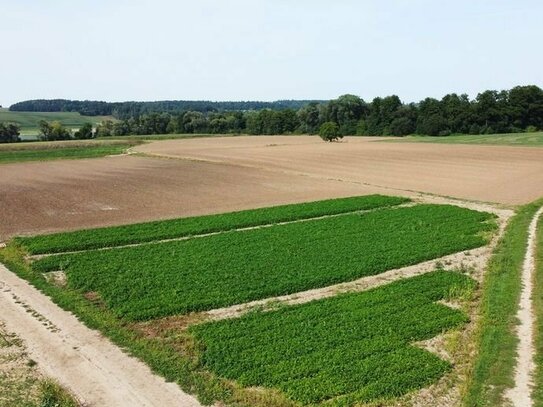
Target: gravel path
x,y
96,371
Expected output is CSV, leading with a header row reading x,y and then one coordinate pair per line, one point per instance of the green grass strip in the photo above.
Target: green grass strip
x,y
351,348
152,281
60,153
494,366
538,309
168,229
512,139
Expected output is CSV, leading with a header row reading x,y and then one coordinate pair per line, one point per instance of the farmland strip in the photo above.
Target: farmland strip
x,y
146,282
177,228
353,347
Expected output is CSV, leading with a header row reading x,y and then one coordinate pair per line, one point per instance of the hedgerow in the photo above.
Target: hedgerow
x,y
350,348
146,282
151,231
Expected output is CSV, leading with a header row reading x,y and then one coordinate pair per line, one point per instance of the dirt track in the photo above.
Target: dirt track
x,y
97,372
520,395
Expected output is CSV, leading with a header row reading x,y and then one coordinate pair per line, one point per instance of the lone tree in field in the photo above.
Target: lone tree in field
x,y
329,131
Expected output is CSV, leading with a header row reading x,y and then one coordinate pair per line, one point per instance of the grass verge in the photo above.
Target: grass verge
x,y
538,309
497,342
175,228
43,151
511,139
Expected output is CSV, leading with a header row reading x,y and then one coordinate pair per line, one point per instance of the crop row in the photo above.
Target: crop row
x,y
146,282
350,348
168,229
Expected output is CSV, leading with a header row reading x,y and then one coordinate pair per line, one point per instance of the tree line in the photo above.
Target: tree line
x,y
9,132
126,110
516,110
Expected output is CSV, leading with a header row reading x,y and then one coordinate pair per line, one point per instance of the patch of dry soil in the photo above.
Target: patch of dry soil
x,y
509,175
41,197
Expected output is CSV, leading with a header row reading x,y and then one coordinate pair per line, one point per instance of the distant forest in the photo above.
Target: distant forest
x,y
516,110
126,110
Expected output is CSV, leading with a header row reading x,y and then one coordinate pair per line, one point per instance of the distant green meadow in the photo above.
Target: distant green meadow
x,y
512,139
54,150
29,121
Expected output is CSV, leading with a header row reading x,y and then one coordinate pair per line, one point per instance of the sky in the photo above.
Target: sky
x,y
118,50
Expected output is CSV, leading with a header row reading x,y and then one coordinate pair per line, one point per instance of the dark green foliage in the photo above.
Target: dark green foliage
x,y
53,131
125,110
84,132
9,132
151,231
329,131
401,126
353,347
518,109
230,268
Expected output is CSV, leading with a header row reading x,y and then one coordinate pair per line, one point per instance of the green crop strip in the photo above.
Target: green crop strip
x,y
152,231
147,282
60,153
350,348
497,341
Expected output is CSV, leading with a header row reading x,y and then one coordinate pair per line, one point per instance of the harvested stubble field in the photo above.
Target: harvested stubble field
x,y
294,355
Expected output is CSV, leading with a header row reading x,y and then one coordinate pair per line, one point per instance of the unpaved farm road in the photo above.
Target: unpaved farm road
x,y
520,394
96,371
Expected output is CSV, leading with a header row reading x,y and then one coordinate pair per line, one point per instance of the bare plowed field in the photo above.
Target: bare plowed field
x,y
233,173
64,195
510,175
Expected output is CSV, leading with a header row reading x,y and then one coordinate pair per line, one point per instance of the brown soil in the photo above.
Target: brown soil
x,y
74,194
233,173
509,175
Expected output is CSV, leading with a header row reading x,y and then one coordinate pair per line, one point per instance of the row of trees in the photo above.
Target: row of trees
x,y
126,110
9,132
52,131
516,110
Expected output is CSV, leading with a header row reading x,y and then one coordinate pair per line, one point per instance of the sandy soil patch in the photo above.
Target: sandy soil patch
x,y
19,376
509,175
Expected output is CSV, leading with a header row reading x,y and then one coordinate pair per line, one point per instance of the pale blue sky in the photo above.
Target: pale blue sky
x,y
266,49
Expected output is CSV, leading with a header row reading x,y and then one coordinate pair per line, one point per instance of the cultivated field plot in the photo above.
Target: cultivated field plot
x,y
510,175
157,280
350,348
41,197
224,174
